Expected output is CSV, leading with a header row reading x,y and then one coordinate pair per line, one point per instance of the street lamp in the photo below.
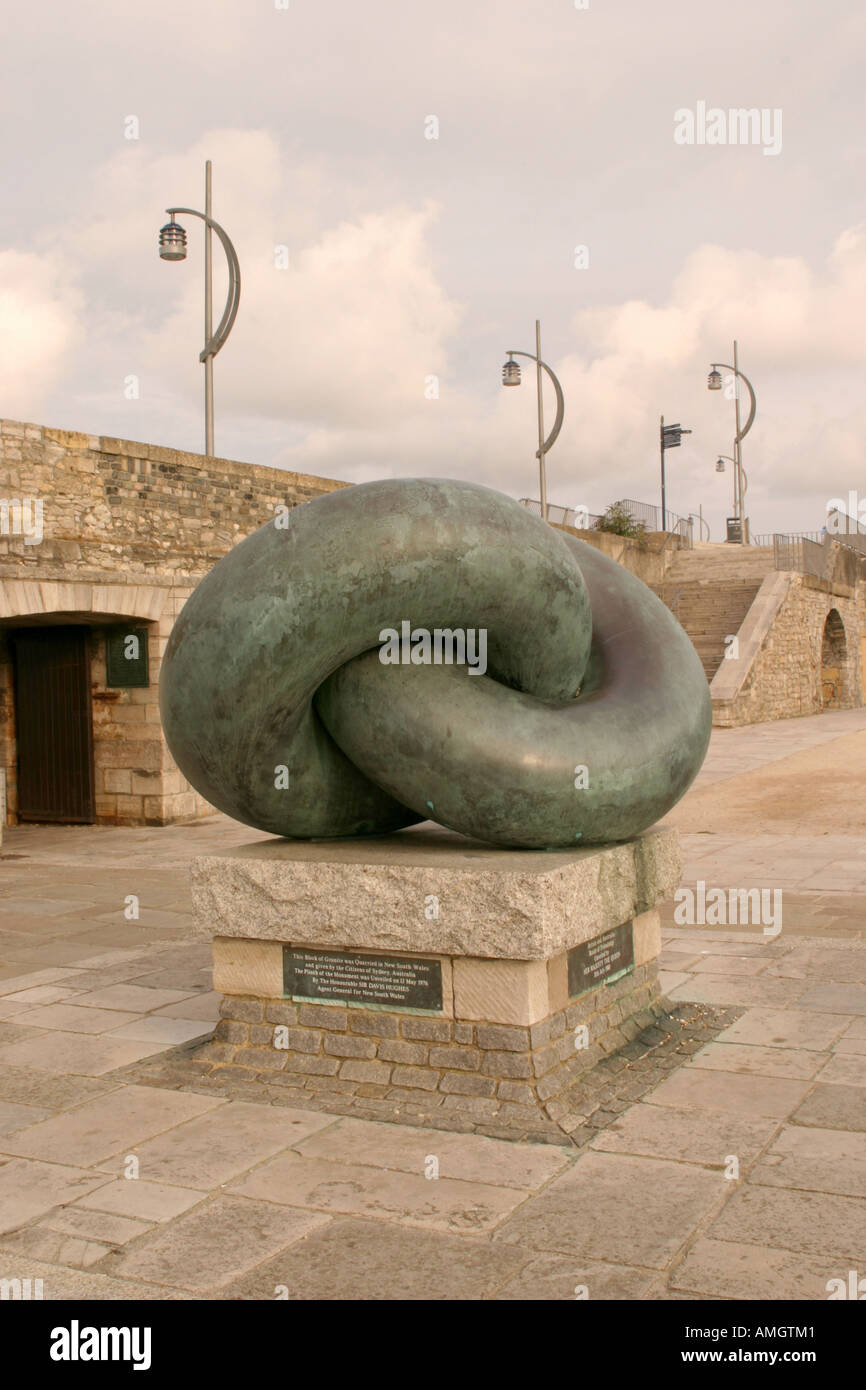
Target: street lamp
x,y
720,468
714,383
511,377
172,247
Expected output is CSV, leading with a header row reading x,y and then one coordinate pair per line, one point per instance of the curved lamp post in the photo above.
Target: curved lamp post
x,y
511,377
720,468
172,247
714,383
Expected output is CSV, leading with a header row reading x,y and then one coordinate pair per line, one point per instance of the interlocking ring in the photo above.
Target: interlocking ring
x,y
422,648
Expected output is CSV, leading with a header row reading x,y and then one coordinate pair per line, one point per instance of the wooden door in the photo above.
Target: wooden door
x,y
54,724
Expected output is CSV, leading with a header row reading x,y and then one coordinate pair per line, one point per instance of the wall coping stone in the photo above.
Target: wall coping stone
x,y
371,894
734,671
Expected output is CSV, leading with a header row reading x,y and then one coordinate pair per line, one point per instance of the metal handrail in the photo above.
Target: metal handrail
x,y
646,512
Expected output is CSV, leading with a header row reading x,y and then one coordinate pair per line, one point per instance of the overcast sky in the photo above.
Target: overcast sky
x,y
412,257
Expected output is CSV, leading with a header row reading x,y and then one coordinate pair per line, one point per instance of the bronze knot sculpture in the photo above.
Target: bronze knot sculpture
x,y
422,648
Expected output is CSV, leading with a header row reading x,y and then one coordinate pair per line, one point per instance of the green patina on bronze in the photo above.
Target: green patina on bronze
x,y
274,664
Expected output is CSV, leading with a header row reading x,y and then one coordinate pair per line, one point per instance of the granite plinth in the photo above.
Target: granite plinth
x,y
429,890
430,965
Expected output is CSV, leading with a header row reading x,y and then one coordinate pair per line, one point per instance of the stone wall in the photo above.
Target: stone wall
x,y
525,1080
115,507
649,558
128,531
780,672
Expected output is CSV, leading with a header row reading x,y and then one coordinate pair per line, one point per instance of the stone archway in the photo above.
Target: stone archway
x,y
74,748
834,662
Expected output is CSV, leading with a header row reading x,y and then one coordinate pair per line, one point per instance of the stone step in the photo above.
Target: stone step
x,y
710,608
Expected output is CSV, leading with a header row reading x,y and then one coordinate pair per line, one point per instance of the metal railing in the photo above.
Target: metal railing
x,y
840,527
575,517
814,557
645,512
853,540
767,538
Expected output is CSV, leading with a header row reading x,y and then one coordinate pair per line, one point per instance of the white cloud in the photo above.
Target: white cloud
x,y
41,327
802,346
325,370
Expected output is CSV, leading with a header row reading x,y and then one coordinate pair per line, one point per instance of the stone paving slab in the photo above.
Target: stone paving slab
x,y
352,1189
792,1028
76,1053
656,1131
834,999
38,994
729,1269
94,1131
833,1107
165,1031
29,1189
95,1225
54,1093
128,997
14,1117
813,1223
842,1070
756,1060
730,965
549,1277
140,1199
260,1187
213,1245
618,1208
209,1150
61,1282
387,1261
737,989
40,1242
817,1160
740,1093
469,1157
68,1018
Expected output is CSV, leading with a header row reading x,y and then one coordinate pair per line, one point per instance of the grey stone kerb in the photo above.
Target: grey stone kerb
x,y
379,893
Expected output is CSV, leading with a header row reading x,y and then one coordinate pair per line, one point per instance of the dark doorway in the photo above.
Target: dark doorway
x,y
54,726
834,656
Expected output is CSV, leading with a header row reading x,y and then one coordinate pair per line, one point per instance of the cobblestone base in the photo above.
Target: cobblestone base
x,y
502,1081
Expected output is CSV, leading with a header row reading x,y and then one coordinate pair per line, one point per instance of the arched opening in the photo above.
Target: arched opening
x,y
79,732
834,657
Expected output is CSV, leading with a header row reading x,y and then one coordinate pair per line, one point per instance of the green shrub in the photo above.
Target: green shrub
x,y
620,522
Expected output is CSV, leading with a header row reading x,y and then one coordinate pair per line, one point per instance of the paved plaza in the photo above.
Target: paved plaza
x,y
728,1164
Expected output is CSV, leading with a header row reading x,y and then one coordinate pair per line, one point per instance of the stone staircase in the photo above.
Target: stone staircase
x,y
710,589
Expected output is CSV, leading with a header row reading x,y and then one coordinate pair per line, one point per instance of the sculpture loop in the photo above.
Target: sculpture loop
x,y
307,690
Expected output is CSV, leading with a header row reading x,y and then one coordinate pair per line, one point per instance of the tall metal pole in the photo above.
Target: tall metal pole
x,y
208,313
662,451
738,451
542,476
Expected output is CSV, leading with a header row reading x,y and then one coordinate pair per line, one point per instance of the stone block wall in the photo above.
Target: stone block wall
x,y
128,530
509,1044
523,1079
784,678
119,508
649,557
